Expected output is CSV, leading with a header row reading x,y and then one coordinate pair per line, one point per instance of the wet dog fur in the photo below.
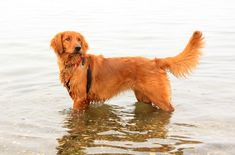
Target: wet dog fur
x,y
110,76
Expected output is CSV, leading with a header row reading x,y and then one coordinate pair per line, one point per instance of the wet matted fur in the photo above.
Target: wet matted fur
x,y
110,76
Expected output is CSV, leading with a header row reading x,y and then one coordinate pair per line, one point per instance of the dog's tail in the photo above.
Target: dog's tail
x,y
182,64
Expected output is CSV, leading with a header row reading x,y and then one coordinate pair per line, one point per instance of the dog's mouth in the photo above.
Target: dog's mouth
x,y
78,49
75,55
77,52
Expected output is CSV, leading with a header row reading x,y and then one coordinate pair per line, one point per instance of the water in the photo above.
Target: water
x,y
35,115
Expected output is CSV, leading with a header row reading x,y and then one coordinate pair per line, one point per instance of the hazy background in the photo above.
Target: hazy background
x,y
35,107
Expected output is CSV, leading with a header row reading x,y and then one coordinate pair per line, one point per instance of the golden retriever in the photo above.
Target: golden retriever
x,y
91,78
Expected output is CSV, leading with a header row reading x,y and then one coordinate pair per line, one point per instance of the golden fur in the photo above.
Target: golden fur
x,y
110,76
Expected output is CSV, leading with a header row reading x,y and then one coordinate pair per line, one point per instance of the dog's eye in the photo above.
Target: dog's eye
x,y
68,39
78,39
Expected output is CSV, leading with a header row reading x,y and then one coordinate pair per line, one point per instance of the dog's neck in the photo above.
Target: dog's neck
x,y
70,60
67,64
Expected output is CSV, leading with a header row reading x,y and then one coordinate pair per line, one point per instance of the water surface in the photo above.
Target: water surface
x,y
35,109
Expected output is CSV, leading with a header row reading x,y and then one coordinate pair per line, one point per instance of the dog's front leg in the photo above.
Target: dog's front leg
x,y
80,104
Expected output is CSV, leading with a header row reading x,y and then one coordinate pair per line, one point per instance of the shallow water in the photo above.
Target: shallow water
x,y
35,115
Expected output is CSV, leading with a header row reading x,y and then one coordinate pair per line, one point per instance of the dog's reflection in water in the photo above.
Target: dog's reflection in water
x,y
115,127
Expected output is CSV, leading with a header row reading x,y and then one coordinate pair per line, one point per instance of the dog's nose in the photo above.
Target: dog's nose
x,y
78,48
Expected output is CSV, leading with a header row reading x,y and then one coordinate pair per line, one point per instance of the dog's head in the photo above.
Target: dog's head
x,y
69,42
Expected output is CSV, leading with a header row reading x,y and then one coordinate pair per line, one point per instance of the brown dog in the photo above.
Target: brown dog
x,y
91,78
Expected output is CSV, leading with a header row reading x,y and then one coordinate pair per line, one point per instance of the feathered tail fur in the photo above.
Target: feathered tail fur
x,y
187,60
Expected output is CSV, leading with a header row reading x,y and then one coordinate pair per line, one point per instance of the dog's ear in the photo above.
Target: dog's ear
x,y
85,46
57,44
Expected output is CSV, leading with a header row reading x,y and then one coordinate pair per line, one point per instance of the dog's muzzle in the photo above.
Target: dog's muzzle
x,y
77,49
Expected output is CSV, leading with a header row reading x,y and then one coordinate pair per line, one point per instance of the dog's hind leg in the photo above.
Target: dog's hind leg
x,y
158,92
141,97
